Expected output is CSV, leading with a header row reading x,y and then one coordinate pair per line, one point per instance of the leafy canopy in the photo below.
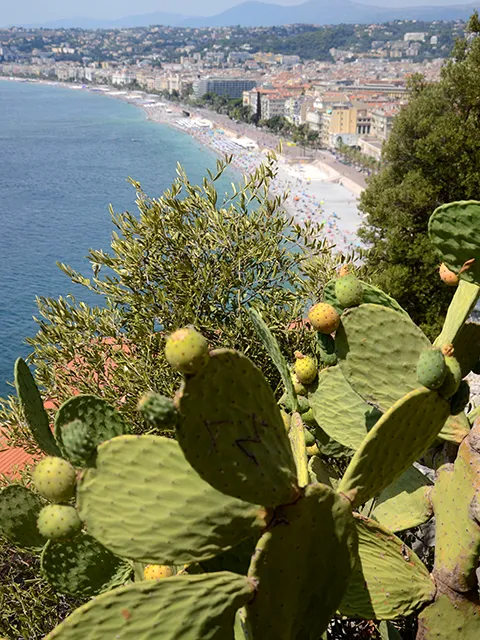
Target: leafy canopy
x,y
431,157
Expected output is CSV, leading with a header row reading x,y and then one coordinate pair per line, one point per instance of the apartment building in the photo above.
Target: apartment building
x,y
229,87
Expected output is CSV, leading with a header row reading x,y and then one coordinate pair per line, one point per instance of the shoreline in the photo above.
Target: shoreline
x,y
317,190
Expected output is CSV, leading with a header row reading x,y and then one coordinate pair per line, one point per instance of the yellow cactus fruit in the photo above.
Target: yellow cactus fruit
x,y
305,368
448,277
324,318
157,572
186,350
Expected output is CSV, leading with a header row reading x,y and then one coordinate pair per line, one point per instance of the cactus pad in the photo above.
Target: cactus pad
x,y
32,405
296,435
461,306
458,535
304,562
389,580
454,230
394,443
180,608
404,504
467,347
378,350
19,509
144,501
448,618
232,433
371,295
273,350
82,567
103,421
339,411
455,429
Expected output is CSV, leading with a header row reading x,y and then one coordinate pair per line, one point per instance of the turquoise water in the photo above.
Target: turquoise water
x,y
65,156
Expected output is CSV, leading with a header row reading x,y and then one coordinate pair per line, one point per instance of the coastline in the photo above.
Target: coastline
x,y
317,189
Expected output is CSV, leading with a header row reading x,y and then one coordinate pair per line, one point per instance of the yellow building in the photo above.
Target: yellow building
x,y
339,123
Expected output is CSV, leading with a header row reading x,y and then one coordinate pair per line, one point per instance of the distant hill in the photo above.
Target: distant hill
x,y
262,14
321,12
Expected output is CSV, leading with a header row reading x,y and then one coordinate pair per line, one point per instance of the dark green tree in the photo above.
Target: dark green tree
x,y
431,157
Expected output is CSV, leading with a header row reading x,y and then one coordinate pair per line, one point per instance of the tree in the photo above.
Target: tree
x,y
190,257
431,157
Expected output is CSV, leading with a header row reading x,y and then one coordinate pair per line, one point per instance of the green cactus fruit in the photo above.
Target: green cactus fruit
x,y
297,385
460,398
186,350
324,318
305,369
158,410
452,379
431,369
326,345
349,291
79,442
309,419
54,479
58,522
303,404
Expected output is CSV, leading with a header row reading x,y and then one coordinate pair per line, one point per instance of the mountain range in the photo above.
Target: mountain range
x,y
258,14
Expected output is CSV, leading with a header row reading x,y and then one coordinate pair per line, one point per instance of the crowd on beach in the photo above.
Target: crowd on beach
x,y
314,194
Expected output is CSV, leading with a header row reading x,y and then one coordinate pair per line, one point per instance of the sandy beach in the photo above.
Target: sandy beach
x,y
320,188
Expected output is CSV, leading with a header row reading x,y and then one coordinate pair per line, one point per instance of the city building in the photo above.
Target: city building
x,y
229,87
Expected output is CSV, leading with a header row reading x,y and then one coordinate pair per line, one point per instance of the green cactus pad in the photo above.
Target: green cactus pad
x,y
455,429
408,428
467,347
19,509
102,419
457,534
271,345
145,502
448,618
454,230
371,295
232,433
181,608
378,350
320,471
404,504
388,631
339,411
326,346
302,565
389,580
461,306
296,436
32,405
82,567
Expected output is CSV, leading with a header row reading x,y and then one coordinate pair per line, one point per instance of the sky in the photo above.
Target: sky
x,y
38,11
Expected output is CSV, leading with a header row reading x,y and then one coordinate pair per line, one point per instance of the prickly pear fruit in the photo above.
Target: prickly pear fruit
x,y
324,317
54,479
452,379
186,350
159,410
157,572
307,418
345,269
305,368
297,385
303,404
460,398
431,368
58,522
349,291
79,442
448,277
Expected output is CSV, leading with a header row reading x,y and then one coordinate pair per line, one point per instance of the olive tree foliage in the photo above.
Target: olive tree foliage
x,y
431,157
192,256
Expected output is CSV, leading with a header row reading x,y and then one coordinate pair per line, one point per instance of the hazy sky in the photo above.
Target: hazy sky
x,y
37,11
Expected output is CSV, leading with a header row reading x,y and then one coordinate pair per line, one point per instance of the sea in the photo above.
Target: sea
x,y
65,156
